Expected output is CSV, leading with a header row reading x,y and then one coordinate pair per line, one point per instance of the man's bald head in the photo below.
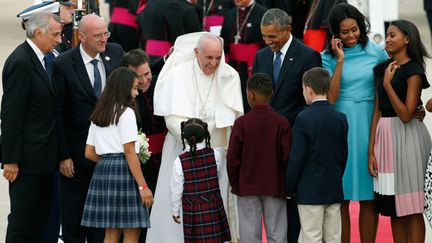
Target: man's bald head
x,y
93,34
90,21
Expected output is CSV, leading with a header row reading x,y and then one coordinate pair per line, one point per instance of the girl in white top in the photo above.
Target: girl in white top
x,y
118,198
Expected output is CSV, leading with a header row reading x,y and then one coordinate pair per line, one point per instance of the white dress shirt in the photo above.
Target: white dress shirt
x,y
89,66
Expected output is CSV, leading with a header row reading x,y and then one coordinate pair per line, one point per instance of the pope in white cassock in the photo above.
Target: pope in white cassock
x,y
194,82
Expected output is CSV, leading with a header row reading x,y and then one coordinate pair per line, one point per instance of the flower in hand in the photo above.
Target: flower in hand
x,y
144,153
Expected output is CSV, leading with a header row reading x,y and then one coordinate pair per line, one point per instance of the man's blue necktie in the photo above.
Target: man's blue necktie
x,y
276,67
49,62
97,87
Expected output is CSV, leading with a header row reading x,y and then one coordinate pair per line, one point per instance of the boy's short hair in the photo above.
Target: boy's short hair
x,y
260,83
318,79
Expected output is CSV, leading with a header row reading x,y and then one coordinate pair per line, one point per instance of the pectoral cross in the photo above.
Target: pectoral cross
x,y
236,38
203,114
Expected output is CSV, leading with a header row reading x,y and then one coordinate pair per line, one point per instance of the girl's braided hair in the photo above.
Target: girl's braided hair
x,y
194,131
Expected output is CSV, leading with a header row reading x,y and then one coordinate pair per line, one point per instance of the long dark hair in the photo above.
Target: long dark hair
x,y
415,48
115,98
339,13
194,131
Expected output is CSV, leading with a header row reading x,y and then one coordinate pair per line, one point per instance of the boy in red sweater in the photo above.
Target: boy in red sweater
x,y
256,161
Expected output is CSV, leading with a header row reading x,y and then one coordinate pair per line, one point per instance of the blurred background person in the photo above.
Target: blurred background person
x,y
123,24
427,6
242,39
162,21
316,27
212,13
66,16
297,11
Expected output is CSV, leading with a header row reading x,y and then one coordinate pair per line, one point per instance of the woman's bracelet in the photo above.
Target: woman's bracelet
x,y
142,187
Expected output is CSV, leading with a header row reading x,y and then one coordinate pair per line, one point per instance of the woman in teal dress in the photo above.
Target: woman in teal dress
x,y
350,58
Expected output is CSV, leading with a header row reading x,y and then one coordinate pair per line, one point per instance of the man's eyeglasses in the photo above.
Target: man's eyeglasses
x,y
102,35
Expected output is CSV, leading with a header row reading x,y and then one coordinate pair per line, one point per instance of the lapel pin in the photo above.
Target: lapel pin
x,y
220,7
291,59
249,25
107,58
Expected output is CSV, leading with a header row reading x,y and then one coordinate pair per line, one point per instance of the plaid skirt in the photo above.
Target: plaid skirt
x,y
113,199
204,219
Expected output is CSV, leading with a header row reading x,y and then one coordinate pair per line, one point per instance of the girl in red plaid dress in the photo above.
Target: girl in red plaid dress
x,y
195,187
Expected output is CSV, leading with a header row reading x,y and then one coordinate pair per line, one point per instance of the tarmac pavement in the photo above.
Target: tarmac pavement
x,y
12,35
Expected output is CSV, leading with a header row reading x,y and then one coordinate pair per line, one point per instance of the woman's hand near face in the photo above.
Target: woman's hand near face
x,y
337,48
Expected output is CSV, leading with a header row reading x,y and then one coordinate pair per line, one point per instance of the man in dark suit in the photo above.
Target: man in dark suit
x,y
64,8
295,59
29,125
80,75
285,59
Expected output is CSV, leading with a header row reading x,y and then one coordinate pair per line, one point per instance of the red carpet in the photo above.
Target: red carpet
x,y
384,234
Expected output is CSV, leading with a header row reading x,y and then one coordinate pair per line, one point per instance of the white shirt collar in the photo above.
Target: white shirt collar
x,y
36,50
199,146
286,46
86,57
319,100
